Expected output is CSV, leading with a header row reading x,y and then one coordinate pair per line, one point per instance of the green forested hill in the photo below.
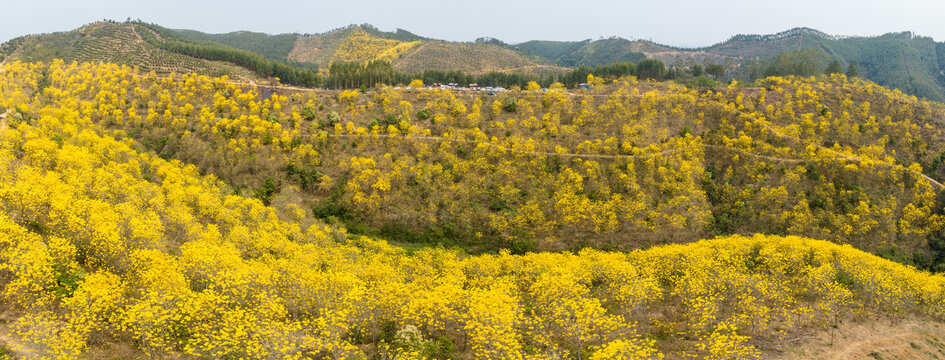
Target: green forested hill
x,y
549,49
602,52
911,64
583,53
273,47
904,61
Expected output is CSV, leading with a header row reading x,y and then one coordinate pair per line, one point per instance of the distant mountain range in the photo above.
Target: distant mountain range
x,y
912,64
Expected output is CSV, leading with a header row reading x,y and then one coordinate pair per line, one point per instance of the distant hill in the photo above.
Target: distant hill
x,y
273,47
584,53
119,43
407,52
547,49
353,43
126,43
466,57
912,64
608,51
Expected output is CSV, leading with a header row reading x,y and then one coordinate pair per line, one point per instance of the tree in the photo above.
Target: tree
x,y
651,69
716,70
801,62
834,68
267,190
753,69
852,70
672,73
696,70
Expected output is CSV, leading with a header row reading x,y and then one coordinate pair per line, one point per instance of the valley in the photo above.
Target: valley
x,y
174,194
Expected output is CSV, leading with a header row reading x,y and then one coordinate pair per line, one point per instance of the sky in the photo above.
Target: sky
x,y
671,22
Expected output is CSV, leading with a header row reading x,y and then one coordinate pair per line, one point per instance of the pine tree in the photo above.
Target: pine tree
x,y
852,70
834,68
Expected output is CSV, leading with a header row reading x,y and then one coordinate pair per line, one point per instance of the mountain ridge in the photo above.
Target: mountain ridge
x,y
916,64
902,60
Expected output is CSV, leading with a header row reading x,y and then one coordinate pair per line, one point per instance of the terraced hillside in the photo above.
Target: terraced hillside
x,y
413,55
360,46
319,49
118,43
473,58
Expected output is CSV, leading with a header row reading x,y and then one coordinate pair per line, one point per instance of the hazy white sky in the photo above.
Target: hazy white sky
x,y
672,22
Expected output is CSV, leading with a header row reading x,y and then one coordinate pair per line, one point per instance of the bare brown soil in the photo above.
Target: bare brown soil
x,y
911,338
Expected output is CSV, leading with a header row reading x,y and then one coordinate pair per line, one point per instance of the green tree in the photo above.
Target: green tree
x,y
754,69
696,70
267,190
801,62
716,70
852,70
834,67
651,69
672,73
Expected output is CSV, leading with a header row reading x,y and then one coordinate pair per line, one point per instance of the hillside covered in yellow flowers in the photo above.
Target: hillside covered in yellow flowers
x,y
625,165
192,217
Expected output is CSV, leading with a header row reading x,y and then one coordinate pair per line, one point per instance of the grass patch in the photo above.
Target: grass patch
x,y
6,352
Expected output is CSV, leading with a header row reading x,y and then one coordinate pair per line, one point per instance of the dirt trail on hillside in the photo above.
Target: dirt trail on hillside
x,y
138,38
9,343
3,117
8,340
590,156
503,148
776,132
3,120
876,339
838,155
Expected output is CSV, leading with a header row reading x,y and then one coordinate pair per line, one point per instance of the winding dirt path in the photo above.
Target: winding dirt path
x,y
138,38
3,117
502,148
914,338
592,156
838,155
18,350
3,120
776,132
